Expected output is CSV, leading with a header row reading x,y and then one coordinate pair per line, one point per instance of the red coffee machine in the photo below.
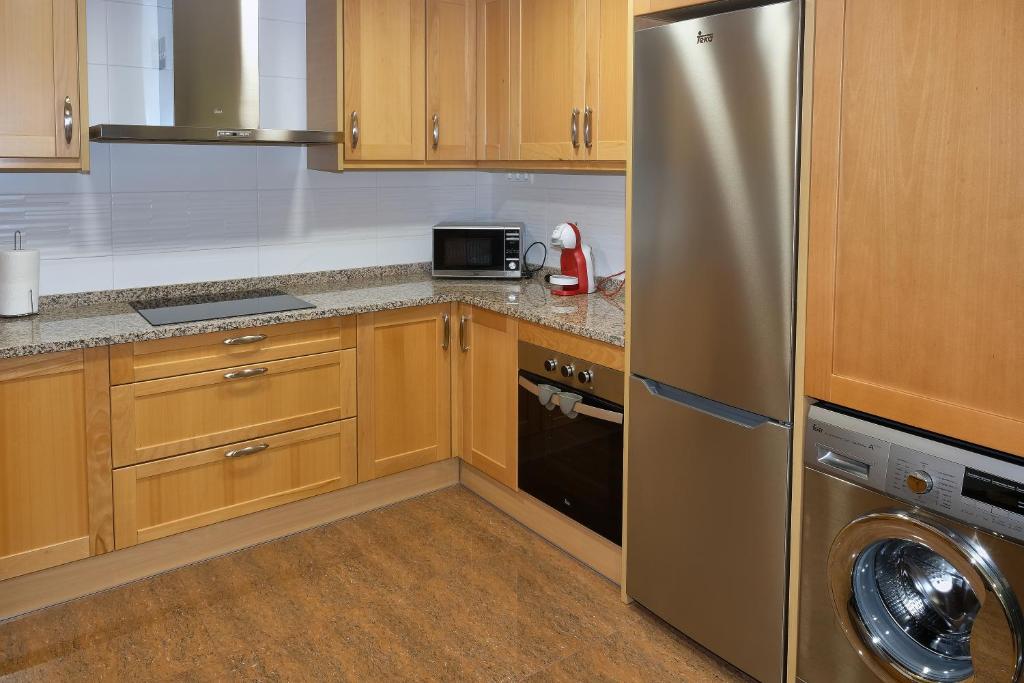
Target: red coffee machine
x,y
577,275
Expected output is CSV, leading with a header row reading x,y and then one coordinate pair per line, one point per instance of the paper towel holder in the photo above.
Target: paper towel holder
x,y
33,308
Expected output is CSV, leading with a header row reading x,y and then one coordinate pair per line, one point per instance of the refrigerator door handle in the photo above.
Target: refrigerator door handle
x,y
736,416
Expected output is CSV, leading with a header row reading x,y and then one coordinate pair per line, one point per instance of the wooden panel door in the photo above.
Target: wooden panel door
x,y
494,64
404,389
451,80
488,358
604,121
552,74
916,290
39,76
169,496
55,474
384,79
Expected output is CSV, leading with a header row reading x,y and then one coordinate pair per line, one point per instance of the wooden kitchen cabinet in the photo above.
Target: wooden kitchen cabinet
x,y
55,470
175,415
42,85
569,85
451,80
494,77
172,495
385,90
404,389
915,285
487,347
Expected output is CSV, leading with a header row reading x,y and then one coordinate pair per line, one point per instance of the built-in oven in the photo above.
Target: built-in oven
x,y
478,250
570,437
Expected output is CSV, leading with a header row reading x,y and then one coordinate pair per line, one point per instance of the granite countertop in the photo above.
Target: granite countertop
x,y
100,318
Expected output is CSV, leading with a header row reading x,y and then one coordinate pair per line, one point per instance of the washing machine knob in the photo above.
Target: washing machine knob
x,y
920,482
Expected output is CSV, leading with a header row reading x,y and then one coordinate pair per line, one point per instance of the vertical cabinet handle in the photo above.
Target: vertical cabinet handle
x,y
437,129
69,120
574,128
447,340
355,129
462,334
588,121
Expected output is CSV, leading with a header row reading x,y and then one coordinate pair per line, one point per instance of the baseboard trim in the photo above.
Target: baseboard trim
x,y
593,550
66,582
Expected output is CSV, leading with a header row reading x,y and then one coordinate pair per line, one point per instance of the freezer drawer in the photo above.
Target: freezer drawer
x,y
708,504
714,206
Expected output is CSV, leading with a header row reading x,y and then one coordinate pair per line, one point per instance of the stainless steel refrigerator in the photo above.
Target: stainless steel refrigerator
x,y
716,136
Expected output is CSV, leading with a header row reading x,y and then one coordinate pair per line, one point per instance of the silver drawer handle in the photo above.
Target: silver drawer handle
x,y
247,339
69,120
248,450
355,129
437,129
242,374
588,120
574,128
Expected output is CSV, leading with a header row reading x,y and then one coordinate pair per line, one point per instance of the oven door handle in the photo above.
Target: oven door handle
x,y
580,408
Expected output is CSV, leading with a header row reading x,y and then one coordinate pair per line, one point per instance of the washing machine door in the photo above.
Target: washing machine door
x,y
921,603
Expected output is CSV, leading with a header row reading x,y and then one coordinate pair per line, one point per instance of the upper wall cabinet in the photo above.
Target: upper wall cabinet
x,y
916,288
451,80
385,79
570,103
42,85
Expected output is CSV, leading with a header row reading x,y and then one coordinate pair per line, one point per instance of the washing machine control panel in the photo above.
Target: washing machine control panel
x,y
968,486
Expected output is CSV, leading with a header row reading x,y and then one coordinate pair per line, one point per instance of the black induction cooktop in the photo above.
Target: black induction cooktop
x,y
190,309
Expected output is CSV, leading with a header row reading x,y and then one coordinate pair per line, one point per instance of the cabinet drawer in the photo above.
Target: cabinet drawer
x,y
147,360
158,499
176,415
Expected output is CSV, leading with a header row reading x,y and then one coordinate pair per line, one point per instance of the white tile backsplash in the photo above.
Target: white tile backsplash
x,y
164,214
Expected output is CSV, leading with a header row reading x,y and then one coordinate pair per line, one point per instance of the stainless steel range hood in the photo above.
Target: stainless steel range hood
x,y
216,82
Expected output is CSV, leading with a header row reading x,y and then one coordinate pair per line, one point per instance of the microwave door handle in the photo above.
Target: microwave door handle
x,y
581,408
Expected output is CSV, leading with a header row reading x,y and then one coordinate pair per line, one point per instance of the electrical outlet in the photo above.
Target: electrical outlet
x,y
519,177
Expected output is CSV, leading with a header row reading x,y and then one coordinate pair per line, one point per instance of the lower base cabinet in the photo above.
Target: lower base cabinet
x,y
404,396
488,392
176,494
55,504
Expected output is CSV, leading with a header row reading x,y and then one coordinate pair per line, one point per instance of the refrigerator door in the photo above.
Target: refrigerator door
x,y
707,510
714,205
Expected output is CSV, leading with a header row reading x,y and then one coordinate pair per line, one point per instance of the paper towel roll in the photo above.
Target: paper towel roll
x,y
19,282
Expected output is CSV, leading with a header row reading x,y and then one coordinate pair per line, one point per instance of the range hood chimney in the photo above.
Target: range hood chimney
x,y
216,82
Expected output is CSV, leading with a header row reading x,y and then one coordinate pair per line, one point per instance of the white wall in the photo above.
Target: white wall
x,y
162,214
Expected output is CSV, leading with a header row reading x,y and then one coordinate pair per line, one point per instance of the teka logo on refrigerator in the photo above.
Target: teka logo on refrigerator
x,y
704,37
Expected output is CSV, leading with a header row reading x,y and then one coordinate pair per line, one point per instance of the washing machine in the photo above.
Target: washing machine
x,y
912,562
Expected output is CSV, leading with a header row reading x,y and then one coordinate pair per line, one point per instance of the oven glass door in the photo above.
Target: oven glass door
x,y
572,464
469,249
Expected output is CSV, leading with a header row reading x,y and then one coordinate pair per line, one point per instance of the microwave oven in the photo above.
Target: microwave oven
x,y
478,250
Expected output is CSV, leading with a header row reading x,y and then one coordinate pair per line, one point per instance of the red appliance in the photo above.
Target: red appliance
x,y
577,275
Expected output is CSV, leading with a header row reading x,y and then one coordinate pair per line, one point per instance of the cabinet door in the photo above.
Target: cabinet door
x,y
916,290
488,358
55,481
604,122
404,389
39,76
494,80
384,79
552,76
451,80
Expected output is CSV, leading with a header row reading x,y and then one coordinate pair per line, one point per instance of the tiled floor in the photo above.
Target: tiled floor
x,y
443,587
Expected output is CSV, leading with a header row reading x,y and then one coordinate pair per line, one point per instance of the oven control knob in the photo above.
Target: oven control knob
x,y
920,482
568,370
551,365
585,376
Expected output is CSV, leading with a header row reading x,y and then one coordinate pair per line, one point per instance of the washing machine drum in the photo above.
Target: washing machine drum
x,y
921,603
